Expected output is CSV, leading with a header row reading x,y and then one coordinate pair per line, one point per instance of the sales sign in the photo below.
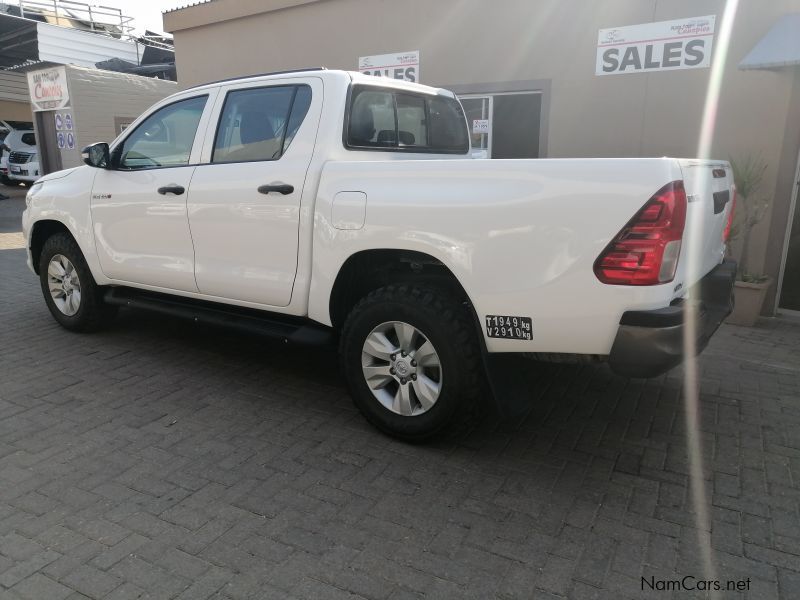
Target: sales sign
x,y
59,122
480,125
402,65
662,46
48,89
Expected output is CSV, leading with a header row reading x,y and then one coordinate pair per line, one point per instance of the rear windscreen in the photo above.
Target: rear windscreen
x,y
388,119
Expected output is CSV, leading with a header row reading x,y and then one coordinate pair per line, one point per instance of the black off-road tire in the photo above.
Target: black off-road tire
x,y
445,321
93,314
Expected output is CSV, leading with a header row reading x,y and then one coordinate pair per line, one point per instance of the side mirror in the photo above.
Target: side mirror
x,y
97,155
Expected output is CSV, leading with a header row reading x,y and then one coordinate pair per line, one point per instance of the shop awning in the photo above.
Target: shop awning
x,y
780,47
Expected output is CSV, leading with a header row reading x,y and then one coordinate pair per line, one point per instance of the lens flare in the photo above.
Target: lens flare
x,y
693,245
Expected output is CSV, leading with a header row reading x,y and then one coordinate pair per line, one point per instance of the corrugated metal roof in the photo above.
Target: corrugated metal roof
x,y
780,47
26,66
18,41
70,46
171,10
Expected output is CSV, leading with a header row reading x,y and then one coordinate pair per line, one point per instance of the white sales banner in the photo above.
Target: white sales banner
x,y
662,46
402,65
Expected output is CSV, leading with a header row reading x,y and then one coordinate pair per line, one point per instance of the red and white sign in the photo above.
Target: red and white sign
x,y
48,89
662,46
402,65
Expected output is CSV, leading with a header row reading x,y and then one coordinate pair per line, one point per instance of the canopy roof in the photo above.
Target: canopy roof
x,y
780,47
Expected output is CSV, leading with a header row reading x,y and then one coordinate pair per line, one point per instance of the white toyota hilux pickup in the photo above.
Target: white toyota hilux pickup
x,y
317,205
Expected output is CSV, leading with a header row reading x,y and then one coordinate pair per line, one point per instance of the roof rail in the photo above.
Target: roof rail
x,y
237,78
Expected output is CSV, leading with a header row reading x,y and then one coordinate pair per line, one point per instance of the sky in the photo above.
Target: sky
x,y
146,13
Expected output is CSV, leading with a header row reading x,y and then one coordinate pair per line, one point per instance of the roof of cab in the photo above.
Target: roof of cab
x,y
354,76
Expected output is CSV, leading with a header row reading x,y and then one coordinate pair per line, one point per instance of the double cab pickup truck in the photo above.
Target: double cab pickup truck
x,y
324,205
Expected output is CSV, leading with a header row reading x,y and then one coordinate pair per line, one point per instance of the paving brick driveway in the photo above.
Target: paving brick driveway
x,y
157,459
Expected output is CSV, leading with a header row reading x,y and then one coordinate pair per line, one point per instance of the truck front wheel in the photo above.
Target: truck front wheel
x,y
410,358
71,294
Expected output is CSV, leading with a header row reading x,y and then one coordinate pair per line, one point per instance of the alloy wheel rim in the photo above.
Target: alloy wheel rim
x,y
64,285
402,368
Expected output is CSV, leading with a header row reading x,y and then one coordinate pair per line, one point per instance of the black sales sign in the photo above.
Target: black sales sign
x,y
662,46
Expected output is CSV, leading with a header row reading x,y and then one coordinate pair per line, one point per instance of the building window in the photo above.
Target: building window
x,y
505,125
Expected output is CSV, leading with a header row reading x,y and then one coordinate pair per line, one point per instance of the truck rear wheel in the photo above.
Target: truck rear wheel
x,y
410,358
71,294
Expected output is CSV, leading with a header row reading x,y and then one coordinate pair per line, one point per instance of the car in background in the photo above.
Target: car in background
x,y
21,165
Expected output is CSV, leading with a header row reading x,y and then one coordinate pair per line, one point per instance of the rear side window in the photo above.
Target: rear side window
x,y
259,123
385,119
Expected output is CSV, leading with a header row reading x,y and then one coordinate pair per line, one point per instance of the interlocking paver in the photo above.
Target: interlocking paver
x,y
38,587
157,459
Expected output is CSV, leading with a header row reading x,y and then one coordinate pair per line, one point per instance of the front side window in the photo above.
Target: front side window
x,y
165,138
259,123
395,120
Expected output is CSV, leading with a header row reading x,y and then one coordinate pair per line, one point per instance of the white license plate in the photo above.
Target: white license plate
x,y
15,169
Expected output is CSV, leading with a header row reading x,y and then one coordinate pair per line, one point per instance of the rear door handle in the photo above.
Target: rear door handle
x,y
281,188
171,189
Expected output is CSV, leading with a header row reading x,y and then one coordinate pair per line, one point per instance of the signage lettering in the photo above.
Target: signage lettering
x,y
403,65
48,89
667,45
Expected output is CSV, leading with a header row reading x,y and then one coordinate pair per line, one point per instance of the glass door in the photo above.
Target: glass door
x,y
504,124
516,118
789,281
478,110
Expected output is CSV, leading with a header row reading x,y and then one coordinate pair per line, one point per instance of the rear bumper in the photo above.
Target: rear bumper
x,y
649,343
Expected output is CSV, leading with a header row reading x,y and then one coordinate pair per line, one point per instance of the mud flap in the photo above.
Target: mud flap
x,y
509,388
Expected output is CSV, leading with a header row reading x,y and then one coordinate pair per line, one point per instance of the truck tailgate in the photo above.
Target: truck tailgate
x,y
711,195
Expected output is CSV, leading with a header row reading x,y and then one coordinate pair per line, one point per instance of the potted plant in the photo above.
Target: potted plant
x,y
750,287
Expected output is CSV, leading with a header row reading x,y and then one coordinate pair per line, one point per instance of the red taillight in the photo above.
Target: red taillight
x,y
727,232
646,251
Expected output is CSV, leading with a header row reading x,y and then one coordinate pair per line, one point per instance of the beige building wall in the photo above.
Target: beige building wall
x,y
550,44
100,100
14,103
15,111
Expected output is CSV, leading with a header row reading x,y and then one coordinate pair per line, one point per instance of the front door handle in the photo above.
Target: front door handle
x,y
281,188
171,189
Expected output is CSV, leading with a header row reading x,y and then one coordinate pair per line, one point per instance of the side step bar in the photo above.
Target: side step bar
x,y
289,329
